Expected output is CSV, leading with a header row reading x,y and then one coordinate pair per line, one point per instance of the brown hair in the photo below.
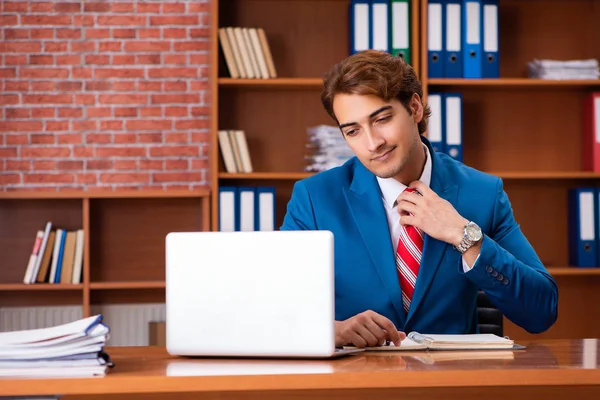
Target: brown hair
x,y
373,72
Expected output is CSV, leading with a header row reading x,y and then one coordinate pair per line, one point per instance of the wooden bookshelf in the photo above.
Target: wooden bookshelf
x,y
124,236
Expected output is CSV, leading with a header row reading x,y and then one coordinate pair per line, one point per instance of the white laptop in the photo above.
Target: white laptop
x,y
251,294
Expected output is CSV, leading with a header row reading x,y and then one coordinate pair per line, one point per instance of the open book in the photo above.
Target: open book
x,y
418,341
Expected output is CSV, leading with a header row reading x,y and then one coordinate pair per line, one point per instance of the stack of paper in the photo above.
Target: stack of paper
x,y
574,69
326,148
75,349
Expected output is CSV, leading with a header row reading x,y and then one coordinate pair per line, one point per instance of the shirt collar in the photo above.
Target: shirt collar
x,y
391,188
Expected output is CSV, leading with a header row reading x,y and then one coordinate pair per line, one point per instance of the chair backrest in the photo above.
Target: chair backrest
x,y
489,318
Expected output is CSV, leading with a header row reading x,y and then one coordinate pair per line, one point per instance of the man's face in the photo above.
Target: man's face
x,y
383,135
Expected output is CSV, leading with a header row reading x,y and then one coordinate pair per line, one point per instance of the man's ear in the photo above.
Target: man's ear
x,y
416,107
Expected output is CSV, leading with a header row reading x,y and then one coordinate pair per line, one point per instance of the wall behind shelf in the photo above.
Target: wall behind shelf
x,y
106,94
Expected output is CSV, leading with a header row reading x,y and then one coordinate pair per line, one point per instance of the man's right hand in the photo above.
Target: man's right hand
x,y
367,329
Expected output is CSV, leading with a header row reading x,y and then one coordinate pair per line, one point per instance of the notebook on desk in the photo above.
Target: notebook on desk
x,y
418,341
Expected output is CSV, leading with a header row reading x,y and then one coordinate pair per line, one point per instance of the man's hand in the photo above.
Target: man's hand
x,y
432,214
367,329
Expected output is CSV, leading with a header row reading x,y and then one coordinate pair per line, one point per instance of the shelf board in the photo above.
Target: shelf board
x,y
128,285
104,194
39,286
571,271
267,175
274,83
512,82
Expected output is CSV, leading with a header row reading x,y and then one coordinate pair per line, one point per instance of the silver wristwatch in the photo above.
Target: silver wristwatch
x,y
471,235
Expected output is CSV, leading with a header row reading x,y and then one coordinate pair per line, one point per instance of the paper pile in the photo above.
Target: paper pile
x,y
326,148
574,69
75,349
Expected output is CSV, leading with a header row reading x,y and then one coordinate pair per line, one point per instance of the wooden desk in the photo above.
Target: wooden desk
x,y
553,369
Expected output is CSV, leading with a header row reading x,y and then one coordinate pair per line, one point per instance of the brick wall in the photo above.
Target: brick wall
x,y
104,94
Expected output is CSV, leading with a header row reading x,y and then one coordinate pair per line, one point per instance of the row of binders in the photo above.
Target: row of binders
x,y
56,257
234,151
246,208
444,130
584,227
381,25
247,53
462,39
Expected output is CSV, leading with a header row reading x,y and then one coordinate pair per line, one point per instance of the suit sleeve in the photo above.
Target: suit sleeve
x,y
509,271
300,213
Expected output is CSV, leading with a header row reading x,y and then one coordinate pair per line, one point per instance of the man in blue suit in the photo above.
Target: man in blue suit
x,y
412,260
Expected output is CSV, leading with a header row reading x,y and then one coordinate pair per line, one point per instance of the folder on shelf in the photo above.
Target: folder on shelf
x,y
453,58
227,208
582,210
360,26
591,132
472,39
490,67
453,125
265,208
435,127
435,39
400,29
245,201
379,25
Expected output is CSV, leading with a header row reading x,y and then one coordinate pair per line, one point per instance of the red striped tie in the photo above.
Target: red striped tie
x,y
408,259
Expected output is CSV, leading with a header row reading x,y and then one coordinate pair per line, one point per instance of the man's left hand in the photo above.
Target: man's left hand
x,y
430,213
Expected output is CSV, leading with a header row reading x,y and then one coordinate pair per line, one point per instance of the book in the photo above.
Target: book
x,y
418,341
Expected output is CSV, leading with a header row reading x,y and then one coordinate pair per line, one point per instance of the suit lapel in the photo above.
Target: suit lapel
x,y
364,200
433,249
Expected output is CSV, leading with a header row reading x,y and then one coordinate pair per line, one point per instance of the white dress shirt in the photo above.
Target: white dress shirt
x,y
391,189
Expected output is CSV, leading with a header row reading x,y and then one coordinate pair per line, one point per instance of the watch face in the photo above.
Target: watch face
x,y
473,232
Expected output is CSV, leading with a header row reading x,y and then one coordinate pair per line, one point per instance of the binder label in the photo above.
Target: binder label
x,y
586,216
400,26
490,34
434,29
453,27
473,28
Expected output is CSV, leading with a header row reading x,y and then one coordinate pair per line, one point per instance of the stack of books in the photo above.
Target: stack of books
x,y
574,69
326,148
75,349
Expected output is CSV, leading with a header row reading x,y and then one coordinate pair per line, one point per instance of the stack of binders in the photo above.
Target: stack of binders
x,y
462,39
444,130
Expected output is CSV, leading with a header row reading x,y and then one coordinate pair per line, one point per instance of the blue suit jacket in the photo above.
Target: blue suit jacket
x,y
347,201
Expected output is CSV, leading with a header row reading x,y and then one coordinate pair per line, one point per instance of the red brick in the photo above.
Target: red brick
x,y
192,124
200,137
55,47
68,60
43,138
199,163
85,99
10,179
21,126
41,60
122,138
52,20
42,33
151,165
200,111
172,151
83,151
98,85
151,112
124,86
70,138
20,138
199,7
8,152
41,7
99,138
15,60
172,137
87,178
128,151
70,165
98,112
199,85
34,72
122,20
110,46
175,20
148,59
175,33
175,59
173,8
6,99
163,177
176,164
148,7
135,46
7,20
176,112
124,33
153,33
148,125
54,126
99,164
97,33
83,47
8,72
125,177
175,86
126,112
122,7
96,6
45,152
119,59
200,33
150,138
43,112
15,6
196,45
104,73
20,165
68,7
10,34
44,86
15,113
150,86
116,125
125,164
69,86
49,178
20,47
175,98
68,33
123,99
70,112
83,20
82,73
84,125
97,59
172,72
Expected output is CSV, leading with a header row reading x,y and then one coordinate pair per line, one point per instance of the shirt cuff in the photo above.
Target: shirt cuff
x,y
466,267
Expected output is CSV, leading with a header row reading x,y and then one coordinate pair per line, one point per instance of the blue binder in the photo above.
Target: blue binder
x,y
245,220
453,125
490,67
583,247
435,39
228,209
264,216
453,60
380,25
61,252
472,39
435,126
360,25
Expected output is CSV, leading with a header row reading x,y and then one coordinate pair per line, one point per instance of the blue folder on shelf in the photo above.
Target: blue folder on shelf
x,y
583,207
435,39
472,48
490,67
453,58
360,25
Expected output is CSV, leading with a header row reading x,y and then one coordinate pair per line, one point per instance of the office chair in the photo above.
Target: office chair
x,y
489,318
